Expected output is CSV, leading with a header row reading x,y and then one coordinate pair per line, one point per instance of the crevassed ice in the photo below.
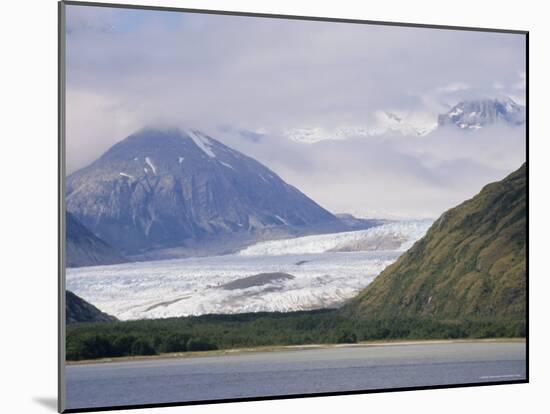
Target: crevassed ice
x,y
193,286
410,231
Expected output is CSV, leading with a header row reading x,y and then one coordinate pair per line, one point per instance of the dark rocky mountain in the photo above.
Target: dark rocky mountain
x,y
161,188
78,310
85,249
476,114
471,263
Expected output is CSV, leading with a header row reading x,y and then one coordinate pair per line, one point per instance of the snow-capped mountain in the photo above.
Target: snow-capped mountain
x,y
476,114
379,123
468,115
160,188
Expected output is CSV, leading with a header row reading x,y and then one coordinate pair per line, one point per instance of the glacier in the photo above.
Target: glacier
x,y
407,231
323,277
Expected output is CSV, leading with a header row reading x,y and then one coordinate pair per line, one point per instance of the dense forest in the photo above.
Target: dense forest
x,y
209,332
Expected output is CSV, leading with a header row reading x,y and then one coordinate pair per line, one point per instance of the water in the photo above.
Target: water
x,y
292,372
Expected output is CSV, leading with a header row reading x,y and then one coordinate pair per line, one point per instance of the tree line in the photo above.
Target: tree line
x,y
210,332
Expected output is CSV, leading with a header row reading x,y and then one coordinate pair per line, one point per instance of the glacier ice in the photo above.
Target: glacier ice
x,y
409,231
193,286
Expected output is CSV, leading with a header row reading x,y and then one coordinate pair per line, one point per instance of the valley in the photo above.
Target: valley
x,y
321,276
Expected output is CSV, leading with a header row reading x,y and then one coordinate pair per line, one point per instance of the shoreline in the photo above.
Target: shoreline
x,y
281,348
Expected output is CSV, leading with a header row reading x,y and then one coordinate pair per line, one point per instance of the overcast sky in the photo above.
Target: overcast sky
x,y
130,68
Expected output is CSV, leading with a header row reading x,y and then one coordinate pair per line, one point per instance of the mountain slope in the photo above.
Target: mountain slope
x,y
78,310
476,114
471,263
85,249
159,188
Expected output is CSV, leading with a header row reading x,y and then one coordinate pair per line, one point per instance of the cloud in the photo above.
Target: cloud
x,y
453,87
131,68
94,123
213,69
395,175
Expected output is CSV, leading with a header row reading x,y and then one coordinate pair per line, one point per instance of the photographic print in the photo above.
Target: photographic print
x,y
259,206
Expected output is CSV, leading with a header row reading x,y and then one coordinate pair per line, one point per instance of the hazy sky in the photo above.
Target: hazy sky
x,y
130,68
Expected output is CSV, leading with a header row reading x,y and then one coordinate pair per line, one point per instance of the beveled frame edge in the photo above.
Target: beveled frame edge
x,y
61,110
61,200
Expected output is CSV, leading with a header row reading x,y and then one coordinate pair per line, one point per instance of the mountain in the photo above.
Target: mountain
x,y
476,114
85,249
78,310
162,187
378,123
466,115
470,263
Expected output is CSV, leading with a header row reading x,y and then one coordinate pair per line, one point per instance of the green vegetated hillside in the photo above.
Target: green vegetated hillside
x,y
470,264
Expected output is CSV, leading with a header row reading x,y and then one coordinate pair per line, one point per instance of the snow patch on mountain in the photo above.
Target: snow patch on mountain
x,y
379,123
282,220
202,141
151,165
226,165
